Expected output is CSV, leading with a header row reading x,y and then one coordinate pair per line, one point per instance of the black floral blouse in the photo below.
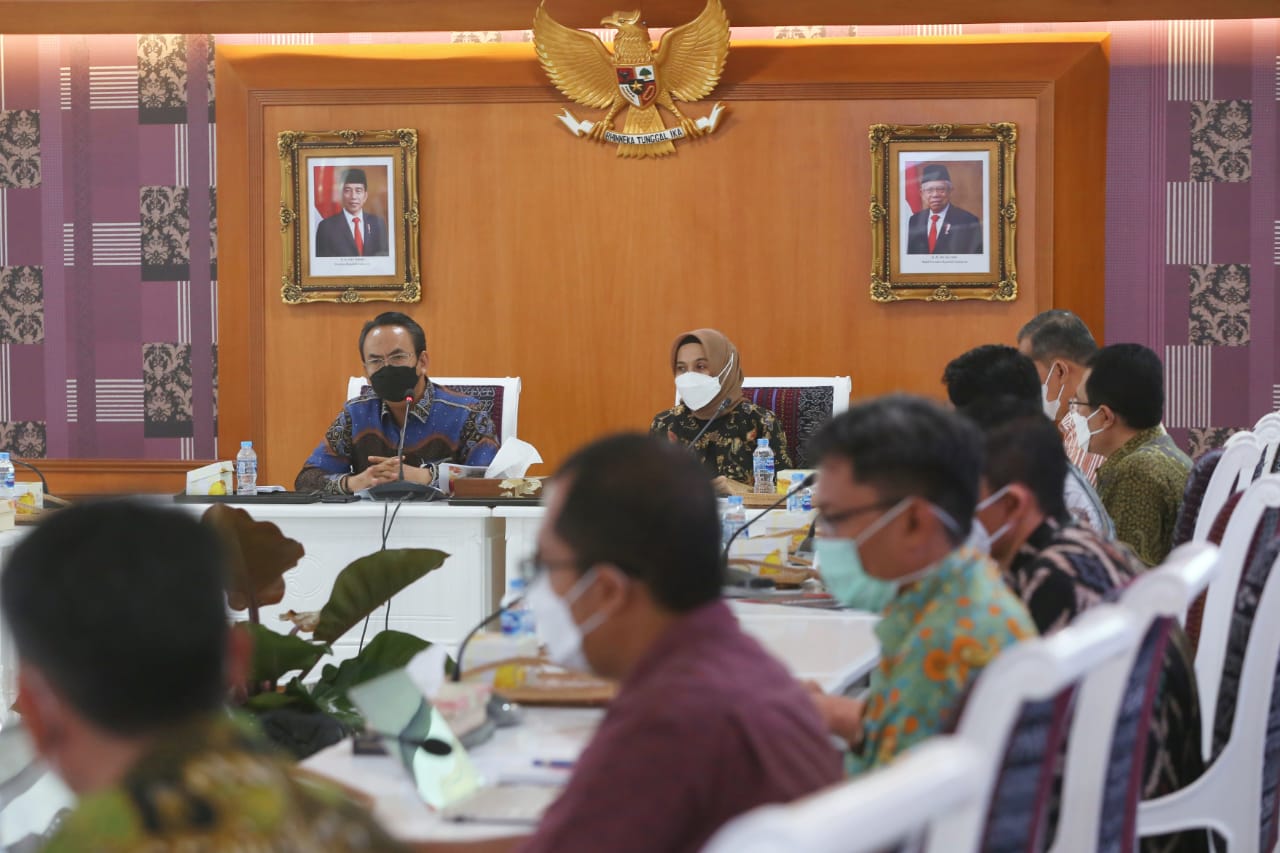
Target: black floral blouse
x,y
727,446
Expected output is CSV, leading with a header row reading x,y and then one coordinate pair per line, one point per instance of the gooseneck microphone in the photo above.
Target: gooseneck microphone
x,y
402,489
724,555
803,484
724,404
502,608
44,484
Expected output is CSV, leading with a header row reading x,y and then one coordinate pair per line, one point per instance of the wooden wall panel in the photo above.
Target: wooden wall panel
x,y
547,257
287,16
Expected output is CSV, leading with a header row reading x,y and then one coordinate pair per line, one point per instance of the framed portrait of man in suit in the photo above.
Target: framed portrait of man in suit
x,y
943,212
349,215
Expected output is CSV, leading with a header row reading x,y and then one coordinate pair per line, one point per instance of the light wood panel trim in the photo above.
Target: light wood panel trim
x,y
452,69
71,478
287,16
1080,165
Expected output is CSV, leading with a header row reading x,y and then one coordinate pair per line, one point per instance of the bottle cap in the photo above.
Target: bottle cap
x,y
735,500
4,456
762,442
246,444
797,478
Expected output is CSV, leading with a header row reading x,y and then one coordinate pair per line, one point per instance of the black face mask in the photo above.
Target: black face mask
x,y
393,383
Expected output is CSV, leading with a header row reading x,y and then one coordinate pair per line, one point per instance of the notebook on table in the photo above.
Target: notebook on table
x,y
416,734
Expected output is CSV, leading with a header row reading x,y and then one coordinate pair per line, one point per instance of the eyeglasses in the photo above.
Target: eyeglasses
x,y
531,567
397,359
1074,404
827,521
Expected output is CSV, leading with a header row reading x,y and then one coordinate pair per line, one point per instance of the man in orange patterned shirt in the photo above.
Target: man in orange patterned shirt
x,y
895,500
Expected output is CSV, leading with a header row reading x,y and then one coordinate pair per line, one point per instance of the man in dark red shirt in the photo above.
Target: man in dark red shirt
x,y
706,725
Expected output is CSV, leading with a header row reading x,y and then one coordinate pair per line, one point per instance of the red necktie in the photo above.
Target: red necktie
x,y
933,232
355,224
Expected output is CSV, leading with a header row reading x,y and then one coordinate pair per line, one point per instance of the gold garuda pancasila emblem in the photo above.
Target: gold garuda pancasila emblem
x,y
686,67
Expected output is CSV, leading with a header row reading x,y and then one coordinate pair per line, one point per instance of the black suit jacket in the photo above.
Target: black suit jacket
x,y
335,240
961,233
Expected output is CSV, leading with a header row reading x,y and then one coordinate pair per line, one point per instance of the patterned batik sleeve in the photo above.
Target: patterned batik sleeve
x,y
772,428
915,698
479,442
1139,516
921,695
323,470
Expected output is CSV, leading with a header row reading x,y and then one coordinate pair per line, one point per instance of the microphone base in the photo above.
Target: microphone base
x,y
404,490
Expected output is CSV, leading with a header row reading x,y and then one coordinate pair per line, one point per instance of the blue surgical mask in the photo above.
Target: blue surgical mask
x,y
842,571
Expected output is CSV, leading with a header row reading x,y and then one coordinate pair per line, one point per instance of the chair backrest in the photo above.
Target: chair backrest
x,y
1246,730
500,396
1016,717
1267,431
802,403
1239,538
1198,480
1103,782
1232,473
875,812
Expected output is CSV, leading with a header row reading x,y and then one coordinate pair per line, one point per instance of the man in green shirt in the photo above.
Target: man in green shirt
x,y
118,614
1117,412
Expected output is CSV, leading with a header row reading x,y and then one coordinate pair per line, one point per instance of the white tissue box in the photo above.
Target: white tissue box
x,y
215,479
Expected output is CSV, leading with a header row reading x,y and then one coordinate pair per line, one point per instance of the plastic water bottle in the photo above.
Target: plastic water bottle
x,y
517,619
6,477
734,518
762,462
246,470
795,503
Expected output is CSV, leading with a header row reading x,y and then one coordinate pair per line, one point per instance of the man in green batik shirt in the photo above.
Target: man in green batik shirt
x,y
118,614
1118,410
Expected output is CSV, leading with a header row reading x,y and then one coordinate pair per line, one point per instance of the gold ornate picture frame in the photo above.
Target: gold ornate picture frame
x,y
943,212
349,216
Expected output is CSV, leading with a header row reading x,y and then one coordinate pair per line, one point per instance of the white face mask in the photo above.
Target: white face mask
x,y
554,620
1083,433
979,538
699,389
1051,406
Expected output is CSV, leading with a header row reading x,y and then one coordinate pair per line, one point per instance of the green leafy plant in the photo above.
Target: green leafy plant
x,y
260,554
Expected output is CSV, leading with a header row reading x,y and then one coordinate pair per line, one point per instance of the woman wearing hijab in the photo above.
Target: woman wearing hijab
x,y
712,417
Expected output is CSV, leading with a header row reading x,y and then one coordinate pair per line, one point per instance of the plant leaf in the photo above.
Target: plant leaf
x,y
258,555
293,696
388,650
275,654
366,584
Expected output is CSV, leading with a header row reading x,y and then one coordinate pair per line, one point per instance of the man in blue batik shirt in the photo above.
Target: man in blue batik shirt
x,y
359,448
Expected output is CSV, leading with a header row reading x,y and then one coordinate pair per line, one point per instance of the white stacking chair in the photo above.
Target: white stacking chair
x,y
510,386
884,808
1164,592
1233,473
1227,797
1013,719
1267,431
1211,647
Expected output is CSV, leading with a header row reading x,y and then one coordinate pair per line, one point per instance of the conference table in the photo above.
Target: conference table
x,y
485,546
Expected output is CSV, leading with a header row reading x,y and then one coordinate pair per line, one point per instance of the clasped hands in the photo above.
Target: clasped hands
x,y
385,469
